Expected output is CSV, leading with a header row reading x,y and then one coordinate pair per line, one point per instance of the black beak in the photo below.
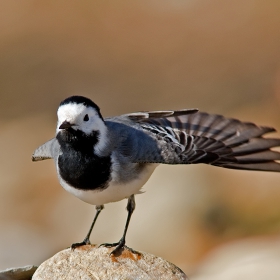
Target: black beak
x,y
65,125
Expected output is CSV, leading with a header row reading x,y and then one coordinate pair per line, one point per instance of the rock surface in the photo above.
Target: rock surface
x,y
92,263
19,273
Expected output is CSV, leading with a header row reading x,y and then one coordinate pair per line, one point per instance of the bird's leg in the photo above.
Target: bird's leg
x,y
86,241
121,244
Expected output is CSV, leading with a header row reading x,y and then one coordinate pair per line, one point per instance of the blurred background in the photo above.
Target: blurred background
x,y
219,56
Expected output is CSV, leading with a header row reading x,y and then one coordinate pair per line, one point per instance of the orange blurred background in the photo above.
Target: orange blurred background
x,y
219,56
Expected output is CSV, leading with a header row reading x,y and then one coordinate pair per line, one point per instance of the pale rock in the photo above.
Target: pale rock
x,y
92,263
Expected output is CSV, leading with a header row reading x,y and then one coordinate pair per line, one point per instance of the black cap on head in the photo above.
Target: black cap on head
x,y
81,100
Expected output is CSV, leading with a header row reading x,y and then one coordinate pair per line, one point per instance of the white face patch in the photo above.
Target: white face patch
x,y
75,114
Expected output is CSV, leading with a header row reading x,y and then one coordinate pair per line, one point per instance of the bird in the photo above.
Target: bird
x,y
103,160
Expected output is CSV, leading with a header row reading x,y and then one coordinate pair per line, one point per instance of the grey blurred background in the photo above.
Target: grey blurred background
x,y
219,56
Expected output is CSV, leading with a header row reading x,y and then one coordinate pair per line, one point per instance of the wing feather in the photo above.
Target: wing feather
x,y
212,139
48,150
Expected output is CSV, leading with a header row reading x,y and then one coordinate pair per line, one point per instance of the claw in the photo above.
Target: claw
x,y
120,246
79,244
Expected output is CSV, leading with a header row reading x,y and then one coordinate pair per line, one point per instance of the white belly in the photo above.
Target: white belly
x,y
115,191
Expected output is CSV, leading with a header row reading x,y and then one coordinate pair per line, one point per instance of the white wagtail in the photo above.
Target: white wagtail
x,y
106,160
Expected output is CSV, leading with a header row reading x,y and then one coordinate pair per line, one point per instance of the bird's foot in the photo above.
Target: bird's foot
x,y
79,244
120,246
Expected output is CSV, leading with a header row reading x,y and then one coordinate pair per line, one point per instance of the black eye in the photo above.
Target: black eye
x,y
86,118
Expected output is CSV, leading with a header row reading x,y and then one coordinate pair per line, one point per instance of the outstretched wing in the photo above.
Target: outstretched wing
x,y
198,137
48,150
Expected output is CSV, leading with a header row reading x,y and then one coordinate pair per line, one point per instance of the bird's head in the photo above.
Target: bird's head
x,y
79,116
